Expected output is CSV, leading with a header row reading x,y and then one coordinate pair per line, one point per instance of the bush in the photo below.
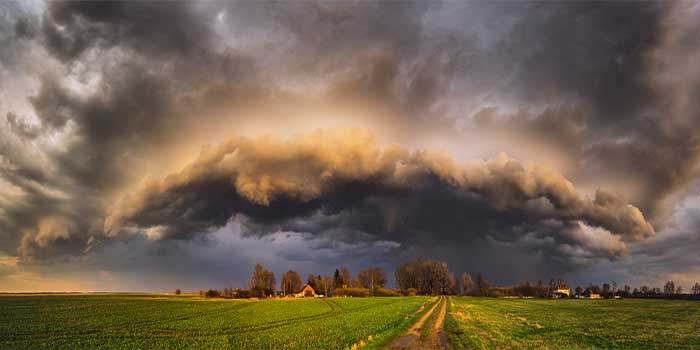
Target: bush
x,y
212,293
494,292
351,292
242,294
383,292
178,291
411,292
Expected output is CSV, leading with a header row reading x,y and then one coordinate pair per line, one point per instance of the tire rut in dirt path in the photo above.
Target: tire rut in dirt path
x,y
440,339
435,338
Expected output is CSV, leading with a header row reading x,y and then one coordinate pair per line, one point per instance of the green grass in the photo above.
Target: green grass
x,y
132,322
488,323
151,321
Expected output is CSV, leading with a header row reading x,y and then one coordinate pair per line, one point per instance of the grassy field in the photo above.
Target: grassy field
x,y
486,323
129,322
151,321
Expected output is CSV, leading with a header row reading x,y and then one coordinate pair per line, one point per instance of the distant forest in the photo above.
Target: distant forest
x,y
422,276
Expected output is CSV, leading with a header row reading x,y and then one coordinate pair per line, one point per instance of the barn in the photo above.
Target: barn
x,y
307,291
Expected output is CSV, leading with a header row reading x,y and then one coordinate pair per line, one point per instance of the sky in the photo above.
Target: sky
x,y
147,146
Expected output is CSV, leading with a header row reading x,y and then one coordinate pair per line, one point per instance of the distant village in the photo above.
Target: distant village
x,y
429,277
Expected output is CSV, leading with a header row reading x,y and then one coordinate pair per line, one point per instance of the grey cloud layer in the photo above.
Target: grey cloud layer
x,y
117,91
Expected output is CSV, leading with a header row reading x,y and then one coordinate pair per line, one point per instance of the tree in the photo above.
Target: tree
x,y
446,282
696,289
669,288
579,290
483,286
262,283
344,279
679,290
467,284
552,286
327,283
372,278
336,279
212,293
315,281
593,288
178,291
291,282
425,276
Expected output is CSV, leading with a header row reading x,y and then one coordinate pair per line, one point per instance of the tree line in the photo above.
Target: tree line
x,y
421,276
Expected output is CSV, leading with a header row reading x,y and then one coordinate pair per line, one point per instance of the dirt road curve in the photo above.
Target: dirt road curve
x,y
433,338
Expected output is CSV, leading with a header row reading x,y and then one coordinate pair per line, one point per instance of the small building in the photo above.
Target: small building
x,y
593,295
307,291
561,293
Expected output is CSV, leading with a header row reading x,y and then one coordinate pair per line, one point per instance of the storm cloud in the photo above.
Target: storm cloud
x,y
341,180
563,135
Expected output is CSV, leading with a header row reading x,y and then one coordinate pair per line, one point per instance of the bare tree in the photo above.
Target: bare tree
x,y
483,286
644,290
467,284
696,289
372,278
425,276
327,283
669,288
314,281
291,282
341,278
262,283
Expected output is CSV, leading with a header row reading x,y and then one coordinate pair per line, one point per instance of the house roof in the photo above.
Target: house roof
x,y
305,286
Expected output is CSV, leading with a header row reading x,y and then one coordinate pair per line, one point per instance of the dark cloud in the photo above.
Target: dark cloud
x,y
121,91
589,53
158,28
340,184
604,71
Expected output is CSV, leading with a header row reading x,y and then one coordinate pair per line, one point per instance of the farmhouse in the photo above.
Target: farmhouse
x,y
561,293
307,291
588,294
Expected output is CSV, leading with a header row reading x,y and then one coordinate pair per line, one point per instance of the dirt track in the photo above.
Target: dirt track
x,y
435,338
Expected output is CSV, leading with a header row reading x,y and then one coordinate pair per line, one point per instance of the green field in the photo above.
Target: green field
x,y
152,321
478,323
129,322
